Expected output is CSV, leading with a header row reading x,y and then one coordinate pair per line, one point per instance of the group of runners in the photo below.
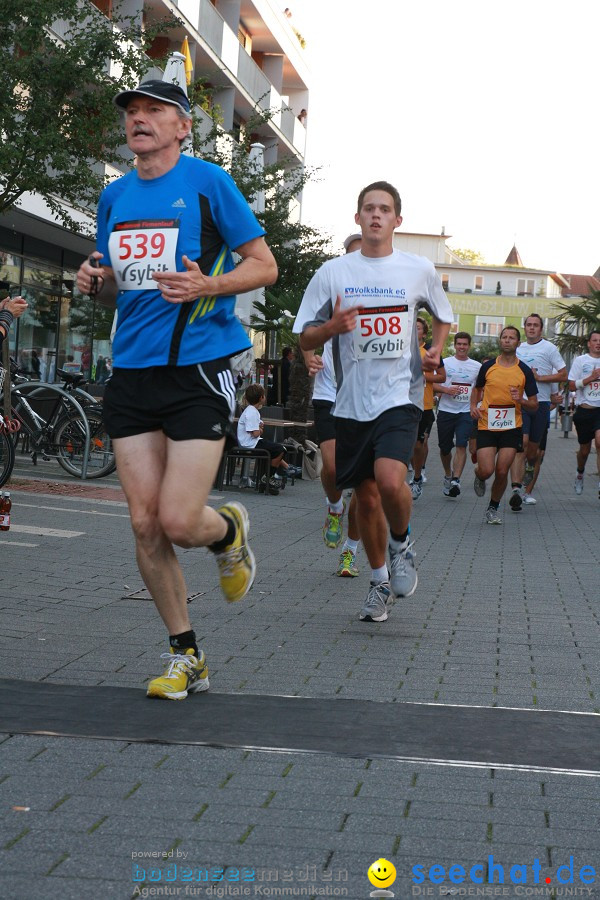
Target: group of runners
x,y
166,232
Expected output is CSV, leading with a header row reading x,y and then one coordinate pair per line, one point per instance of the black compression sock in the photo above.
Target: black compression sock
x,y
229,536
184,641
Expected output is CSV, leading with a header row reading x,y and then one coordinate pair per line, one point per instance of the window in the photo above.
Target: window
x,y
446,282
489,326
479,282
525,287
245,38
454,327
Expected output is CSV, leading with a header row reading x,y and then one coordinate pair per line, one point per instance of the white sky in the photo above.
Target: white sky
x,y
484,114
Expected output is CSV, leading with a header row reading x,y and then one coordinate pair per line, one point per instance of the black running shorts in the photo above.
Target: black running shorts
x,y
587,423
186,402
425,425
512,438
451,427
324,421
535,424
391,435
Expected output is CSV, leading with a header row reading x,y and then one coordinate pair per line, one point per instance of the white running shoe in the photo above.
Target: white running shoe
x,y
416,489
403,574
375,608
492,517
479,486
579,486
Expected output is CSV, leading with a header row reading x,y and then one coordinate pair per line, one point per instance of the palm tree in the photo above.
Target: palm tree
x,y
578,319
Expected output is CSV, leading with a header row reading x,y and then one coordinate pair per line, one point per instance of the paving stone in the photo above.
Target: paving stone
x,y
486,626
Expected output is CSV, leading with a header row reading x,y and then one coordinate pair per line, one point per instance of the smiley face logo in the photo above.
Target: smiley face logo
x,y
381,873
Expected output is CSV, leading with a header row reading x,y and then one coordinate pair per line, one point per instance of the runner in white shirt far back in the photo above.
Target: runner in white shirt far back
x,y
454,422
584,378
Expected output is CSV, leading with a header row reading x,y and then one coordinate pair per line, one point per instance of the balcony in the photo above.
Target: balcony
x,y
252,79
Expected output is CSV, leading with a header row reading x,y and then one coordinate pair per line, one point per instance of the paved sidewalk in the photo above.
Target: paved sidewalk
x,y
503,616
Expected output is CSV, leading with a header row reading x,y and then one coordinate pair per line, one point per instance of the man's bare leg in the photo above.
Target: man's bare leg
x,y
166,484
460,459
504,461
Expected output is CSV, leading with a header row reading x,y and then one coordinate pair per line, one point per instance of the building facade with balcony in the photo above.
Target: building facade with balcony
x,y
249,55
486,298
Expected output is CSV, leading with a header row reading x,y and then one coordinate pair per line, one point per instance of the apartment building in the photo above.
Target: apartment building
x,y
250,56
485,298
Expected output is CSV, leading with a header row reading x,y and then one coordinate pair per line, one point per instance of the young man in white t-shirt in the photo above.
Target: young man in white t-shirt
x,y
367,303
584,378
323,400
548,366
454,422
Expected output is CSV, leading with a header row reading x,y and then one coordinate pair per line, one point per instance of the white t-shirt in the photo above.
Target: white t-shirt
x,y
582,367
324,388
545,358
462,373
248,421
378,365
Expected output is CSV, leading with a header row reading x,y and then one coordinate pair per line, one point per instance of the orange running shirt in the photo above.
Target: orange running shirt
x,y
497,405
428,392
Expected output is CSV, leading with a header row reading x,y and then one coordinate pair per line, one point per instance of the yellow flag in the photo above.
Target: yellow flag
x,y
185,49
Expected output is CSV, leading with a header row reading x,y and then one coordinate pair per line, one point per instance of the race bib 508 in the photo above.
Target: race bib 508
x,y
382,332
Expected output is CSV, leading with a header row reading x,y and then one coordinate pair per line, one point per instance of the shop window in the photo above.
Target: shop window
x,y
36,334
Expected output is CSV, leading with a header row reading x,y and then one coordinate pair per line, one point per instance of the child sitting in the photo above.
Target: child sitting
x,y
250,429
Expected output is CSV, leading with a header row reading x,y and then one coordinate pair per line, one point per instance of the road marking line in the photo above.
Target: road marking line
x,y
10,543
46,532
86,512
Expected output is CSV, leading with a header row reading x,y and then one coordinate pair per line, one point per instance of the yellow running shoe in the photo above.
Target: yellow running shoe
x,y
185,674
347,567
236,563
333,529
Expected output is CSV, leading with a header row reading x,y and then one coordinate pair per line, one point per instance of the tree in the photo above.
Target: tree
x,y
578,319
473,257
57,117
488,349
298,249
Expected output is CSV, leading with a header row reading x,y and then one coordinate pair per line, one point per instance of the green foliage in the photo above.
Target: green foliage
x,y
298,249
485,350
57,116
473,257
577,319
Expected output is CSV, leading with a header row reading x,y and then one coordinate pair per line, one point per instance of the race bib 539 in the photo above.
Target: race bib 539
x,y
382,332
139,248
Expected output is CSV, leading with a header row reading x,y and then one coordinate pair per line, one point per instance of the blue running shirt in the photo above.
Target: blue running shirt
x,y
145,226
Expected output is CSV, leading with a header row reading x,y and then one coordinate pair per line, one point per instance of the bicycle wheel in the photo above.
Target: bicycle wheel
x,y
7,457
69,438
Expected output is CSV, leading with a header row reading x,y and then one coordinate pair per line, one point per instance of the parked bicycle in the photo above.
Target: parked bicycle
x,y
62,434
